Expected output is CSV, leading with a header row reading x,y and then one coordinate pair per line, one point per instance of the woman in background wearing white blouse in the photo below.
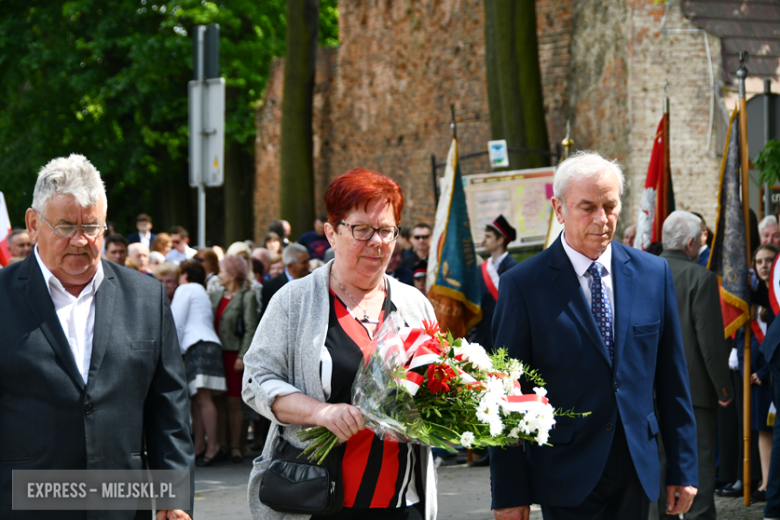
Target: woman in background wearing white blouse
x,y
202,352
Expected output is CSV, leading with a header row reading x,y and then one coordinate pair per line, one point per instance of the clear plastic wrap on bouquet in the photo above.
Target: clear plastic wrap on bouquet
x,y
387,408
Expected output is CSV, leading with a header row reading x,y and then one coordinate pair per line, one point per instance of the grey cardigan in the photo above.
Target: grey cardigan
x,y
284,358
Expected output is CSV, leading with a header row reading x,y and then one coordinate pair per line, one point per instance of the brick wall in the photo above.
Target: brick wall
x,y
680,58
382,98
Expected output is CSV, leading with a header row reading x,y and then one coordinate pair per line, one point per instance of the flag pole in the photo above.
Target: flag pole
x,y
742,73
664,197
567,142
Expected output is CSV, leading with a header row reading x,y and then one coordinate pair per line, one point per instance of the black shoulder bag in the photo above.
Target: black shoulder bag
x,y
240,326
293,484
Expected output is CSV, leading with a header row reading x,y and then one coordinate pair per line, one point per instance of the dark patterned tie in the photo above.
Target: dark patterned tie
x,y
599,306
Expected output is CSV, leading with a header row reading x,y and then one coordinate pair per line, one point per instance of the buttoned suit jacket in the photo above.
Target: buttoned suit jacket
x,y
136,389
543,319
701,323
481,333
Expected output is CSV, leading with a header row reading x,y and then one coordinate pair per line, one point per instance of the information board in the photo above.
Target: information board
x,y
522,196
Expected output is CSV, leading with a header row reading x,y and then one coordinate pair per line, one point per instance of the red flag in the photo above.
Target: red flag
x,y
658,197
5,232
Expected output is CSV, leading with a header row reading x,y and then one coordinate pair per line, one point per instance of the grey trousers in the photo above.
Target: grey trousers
x,y
703,507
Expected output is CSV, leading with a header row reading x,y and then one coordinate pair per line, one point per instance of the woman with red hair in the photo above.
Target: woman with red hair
x,y
311,342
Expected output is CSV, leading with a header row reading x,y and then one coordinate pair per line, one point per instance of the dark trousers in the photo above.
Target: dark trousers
x,y
618,495
703,506
772,509
730,436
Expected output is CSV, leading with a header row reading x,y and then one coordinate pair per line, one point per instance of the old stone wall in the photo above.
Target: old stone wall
x,y
676,53
382,98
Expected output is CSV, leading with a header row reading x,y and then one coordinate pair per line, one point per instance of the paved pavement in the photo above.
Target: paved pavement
x,y
464,493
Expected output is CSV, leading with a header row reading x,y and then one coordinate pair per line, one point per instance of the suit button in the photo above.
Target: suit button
x,y
617,387
609,427
88,409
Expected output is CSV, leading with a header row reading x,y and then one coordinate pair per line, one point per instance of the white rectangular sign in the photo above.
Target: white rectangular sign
x,y
207,132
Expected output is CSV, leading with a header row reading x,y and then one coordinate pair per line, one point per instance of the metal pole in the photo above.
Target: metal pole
x,y
743,150
201,215
567,142
767,115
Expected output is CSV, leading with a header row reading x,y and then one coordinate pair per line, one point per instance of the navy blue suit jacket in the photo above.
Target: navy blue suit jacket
x,y
543,319
481,333
136,237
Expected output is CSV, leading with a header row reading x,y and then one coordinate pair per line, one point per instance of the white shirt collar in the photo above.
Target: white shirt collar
x,y
52,280
499,259
581,263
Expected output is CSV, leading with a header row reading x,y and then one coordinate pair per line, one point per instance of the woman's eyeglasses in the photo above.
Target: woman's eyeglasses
x,y
364,232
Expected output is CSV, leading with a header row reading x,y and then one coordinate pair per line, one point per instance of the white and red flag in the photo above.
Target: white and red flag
x,y
5,232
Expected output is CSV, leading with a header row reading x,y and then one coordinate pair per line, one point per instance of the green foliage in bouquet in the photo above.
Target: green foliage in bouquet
x,y
465,397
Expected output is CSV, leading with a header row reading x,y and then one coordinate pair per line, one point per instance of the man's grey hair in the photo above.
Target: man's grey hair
x,y
73,175
291,252
586,165
679,228
771,220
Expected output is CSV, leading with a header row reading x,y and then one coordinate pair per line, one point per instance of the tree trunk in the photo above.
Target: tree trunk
x,y
297,161
514,80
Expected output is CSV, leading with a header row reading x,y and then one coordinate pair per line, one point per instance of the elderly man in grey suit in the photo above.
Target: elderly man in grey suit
x,y
90,362
701,322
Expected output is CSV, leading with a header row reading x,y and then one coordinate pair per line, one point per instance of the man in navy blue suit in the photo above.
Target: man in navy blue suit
x,y
498,235
599,321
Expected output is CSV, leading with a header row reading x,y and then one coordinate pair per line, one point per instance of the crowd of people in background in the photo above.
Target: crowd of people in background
x,y
217,298
722,466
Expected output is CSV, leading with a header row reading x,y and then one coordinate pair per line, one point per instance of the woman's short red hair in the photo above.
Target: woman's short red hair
x,y
358,188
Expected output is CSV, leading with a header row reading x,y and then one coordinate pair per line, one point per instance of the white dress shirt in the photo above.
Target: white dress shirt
x,y
145,238
492,268
76,314
176,257
192,315
581,263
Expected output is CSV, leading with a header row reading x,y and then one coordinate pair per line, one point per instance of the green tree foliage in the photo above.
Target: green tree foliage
x,y
109,80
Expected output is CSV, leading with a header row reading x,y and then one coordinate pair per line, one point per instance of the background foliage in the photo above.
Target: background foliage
x,y
108,79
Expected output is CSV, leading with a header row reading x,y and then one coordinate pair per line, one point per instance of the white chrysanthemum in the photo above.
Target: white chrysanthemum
x,y
488,409
467,439
495,386
496,426
542,436
475,354
514,433
524,427
540,391
515,370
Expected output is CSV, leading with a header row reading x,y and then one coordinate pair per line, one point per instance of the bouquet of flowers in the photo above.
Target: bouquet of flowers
x,y
421,386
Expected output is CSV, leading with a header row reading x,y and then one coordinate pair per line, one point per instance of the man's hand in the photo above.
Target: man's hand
x,y
724,404
754,379
513,513
172,514
679,499
239,365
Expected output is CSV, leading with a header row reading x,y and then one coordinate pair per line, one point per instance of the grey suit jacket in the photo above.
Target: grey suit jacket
x,y
136,389
701,322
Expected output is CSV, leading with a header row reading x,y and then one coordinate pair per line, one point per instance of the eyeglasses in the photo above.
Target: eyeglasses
x,y
69,230
421,237
364,232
